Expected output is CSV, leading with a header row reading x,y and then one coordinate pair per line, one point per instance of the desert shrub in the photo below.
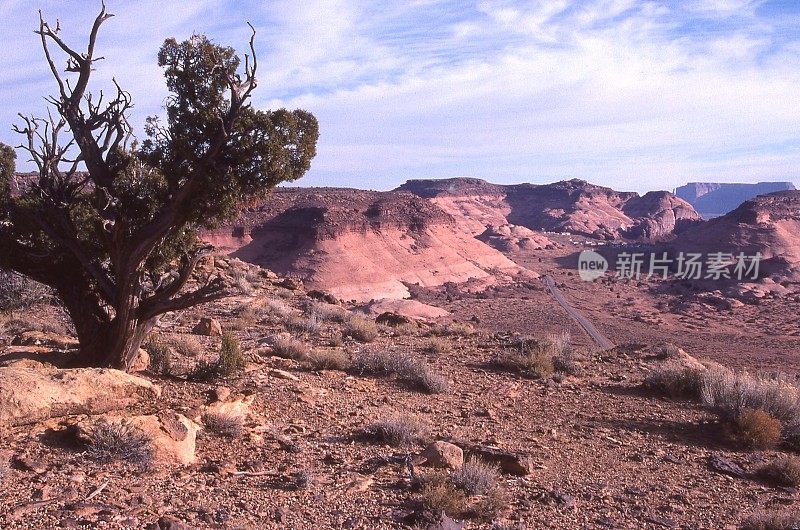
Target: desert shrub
x,y
381,362
361,329
223,424
476,477
758,429
160,356
185,345
241,283
675,380
395,430
290,348
776,520
728,394
783,471
335,340
231,360
454,329
310,324
529,356
419,375
276,309
328,360
490,504
415,373
204,371
111,441
568,362
327,312
18,291
439,494
437,345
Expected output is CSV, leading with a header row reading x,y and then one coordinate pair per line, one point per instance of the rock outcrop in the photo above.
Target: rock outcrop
x,y
31,391
360,245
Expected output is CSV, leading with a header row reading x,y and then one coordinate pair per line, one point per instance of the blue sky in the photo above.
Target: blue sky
x,y
636,95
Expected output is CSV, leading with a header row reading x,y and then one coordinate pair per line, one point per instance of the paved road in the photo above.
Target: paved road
x,y
596,336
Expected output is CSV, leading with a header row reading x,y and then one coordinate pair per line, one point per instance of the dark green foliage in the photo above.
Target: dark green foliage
x,y
118,243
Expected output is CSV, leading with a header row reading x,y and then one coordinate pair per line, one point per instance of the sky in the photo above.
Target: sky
x,y
634,95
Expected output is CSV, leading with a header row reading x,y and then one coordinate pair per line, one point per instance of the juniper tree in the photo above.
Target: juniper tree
x,y
111,223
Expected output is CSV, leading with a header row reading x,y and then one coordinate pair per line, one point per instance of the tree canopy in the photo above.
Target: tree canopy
x,y
110,223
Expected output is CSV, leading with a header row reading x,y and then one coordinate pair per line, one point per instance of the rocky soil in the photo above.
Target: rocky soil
x,y
587,450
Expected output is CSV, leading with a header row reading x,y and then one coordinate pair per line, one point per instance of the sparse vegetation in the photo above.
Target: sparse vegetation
x,y
476,477
111,441
223,424
290,348
437,345
327,312
276,309
19,292
758,429
231,361
187,345
775,520
419,375
328,360
161,361
440,494
414,372
528,356
730,394
395,430
361,329
310,324
675,380
783,471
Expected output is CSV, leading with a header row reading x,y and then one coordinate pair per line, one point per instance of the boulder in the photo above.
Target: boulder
x,y
393,319
293,284
209,327
444,455
32,392
234,407
322,296
141,362
508,462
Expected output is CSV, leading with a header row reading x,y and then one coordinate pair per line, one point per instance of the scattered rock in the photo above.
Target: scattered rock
x,y
32,392
393,319
141,362
508,462
209,327
323,296
293,284
726,466
170,523
220,393
45,338
282,374
444,455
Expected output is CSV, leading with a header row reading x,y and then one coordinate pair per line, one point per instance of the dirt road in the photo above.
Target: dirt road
x,y
592,331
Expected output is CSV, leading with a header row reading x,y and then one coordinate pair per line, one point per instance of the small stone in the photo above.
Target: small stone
x,y
444,455
220,393
209,327
282,374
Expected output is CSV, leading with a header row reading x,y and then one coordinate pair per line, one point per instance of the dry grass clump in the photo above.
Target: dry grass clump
x,y
290,348
395,430
529,356
729,394
223,424
185,344
328,360
241,283
437,345
310,324
119,441
161,361
758,429
675,380
381,362
276,308
776,520
361,329
415,373
419,375
453,329
439,494
476,477
328,312
783,471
